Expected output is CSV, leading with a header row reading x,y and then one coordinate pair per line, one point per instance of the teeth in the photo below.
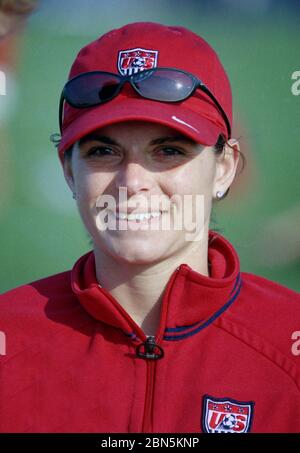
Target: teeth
x,y
140,216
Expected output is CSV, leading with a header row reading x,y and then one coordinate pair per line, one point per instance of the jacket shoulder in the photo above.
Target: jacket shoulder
x,y
272,293
266,316
270,306
36,292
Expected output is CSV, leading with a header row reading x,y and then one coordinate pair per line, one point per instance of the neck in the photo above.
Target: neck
x,y
139,288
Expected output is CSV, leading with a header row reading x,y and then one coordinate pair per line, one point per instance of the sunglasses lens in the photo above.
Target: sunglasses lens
x,y
91,89
164,85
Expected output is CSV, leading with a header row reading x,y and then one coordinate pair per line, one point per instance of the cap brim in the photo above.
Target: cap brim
x,y
200,129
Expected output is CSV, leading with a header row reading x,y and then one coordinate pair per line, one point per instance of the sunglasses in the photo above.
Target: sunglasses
x,y
158,84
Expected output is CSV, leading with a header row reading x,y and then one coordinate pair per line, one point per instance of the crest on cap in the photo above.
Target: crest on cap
x,y
134,60
224,415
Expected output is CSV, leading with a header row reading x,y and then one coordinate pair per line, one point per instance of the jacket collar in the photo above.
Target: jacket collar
x,y
191,300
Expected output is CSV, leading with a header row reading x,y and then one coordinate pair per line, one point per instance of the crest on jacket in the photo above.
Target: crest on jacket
x,y
225,415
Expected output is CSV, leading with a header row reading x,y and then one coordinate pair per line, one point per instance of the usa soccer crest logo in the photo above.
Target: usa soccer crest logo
x,y
224,415
135,60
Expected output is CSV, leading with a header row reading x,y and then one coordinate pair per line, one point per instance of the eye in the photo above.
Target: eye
x,y
101,151
170,151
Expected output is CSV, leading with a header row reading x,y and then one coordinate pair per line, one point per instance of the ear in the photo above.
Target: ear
x,y
68,172
226,166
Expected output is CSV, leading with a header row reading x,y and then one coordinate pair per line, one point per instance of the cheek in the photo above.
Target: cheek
x,y
196,177
90,184
193,183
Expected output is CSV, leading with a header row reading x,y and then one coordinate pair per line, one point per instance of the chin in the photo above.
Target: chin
x,y
132,251
139,260
146,254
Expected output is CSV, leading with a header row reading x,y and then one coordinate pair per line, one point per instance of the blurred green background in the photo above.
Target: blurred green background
x,y
258,43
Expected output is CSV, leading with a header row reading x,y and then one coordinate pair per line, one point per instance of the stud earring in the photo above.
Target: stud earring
x,y
219,194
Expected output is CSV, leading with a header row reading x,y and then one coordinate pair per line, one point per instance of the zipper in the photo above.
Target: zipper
x,y
154,352
150,350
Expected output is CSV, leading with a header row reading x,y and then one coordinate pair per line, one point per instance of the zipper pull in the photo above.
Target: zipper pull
x,y
149,350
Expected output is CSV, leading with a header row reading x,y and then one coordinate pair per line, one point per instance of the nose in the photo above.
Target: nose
x,y
135,177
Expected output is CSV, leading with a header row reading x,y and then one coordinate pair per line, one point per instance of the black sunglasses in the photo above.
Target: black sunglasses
x,y
158,84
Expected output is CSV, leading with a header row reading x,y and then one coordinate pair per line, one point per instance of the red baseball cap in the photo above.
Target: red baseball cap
x,y
152,45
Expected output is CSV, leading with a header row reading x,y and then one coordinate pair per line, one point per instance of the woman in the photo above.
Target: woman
x,y
156,329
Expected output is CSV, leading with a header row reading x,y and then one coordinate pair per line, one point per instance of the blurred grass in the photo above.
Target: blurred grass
x,y
41,232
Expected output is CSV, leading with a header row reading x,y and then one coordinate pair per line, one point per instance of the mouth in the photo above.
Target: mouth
x,y
138,217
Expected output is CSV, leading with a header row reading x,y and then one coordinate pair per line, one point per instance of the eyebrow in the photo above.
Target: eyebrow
x,y
157,141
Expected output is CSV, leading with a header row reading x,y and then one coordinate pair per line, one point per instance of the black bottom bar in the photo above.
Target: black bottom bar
x,y
133,442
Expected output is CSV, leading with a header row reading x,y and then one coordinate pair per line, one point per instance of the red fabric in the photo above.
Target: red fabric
x,y
71,364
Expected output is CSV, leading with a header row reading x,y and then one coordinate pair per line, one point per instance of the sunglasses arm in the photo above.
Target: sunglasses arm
x,y
204,88
61,105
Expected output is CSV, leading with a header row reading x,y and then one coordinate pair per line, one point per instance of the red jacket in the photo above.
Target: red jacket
x,y
75,360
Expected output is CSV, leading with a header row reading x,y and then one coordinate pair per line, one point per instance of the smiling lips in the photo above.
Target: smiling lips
x,y
141,216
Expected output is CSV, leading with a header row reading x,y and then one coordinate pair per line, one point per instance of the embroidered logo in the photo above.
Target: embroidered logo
x,y
135,60
225,415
